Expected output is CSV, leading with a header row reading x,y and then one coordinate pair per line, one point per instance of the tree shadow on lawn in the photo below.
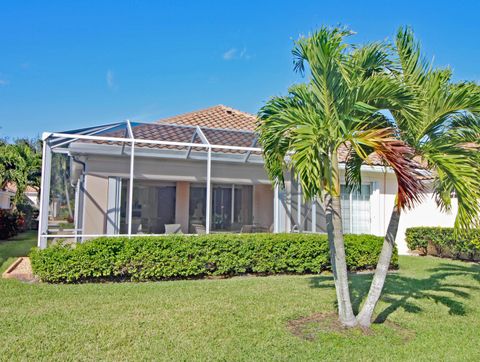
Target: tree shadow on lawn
x,y
401,291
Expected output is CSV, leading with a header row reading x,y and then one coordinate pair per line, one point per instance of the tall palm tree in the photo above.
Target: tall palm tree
x,y
338,107
447,119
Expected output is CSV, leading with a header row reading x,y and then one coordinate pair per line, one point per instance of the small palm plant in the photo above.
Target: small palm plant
x,y
441,132
340,106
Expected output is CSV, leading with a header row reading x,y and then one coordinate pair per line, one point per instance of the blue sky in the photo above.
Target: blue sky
x,y
66,64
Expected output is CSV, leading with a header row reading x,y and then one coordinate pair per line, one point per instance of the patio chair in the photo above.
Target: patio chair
x,y
173,229
247,229
199,229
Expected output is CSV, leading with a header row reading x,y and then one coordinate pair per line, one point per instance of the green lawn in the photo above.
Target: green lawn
x,y
17,246
432,307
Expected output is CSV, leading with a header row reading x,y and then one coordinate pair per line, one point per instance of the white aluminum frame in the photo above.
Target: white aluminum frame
x,y
55,140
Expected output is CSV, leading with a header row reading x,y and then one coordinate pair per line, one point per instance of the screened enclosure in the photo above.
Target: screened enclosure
x,y
131,178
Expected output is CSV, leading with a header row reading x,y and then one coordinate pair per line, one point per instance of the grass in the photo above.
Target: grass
x,y
432,307
17,246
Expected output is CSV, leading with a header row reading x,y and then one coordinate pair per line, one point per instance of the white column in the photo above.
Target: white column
x,y
299,206
314,215
130,191
275,209
44,193
232,210
77,209
209,191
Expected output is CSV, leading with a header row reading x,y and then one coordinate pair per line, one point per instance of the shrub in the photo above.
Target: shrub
x,y
10,223
143,258
29,214
443,242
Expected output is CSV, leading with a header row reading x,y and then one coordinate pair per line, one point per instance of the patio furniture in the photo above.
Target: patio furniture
x,y
173,229
199,229
247,229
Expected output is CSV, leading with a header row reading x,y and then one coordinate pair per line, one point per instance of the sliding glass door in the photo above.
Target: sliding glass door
x,y
232,207
153,206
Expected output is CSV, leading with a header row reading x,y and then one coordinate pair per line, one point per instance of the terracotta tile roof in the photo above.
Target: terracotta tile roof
x,y
221,125
219,116
12,187
182,133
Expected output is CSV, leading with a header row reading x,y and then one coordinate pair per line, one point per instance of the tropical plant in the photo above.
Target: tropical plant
x,y
20,164
340,106
12,168
60,188
31,151
442,133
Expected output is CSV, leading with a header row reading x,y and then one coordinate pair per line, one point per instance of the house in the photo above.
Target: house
x,y
203,172
8,193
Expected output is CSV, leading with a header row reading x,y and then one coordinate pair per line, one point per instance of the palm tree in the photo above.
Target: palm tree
x,y
447,119
338,107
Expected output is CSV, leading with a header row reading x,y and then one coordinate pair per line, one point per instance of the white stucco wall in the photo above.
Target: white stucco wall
x,y
425,214
5,200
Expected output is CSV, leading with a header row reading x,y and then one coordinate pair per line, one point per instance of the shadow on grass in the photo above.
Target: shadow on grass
x,y
401,291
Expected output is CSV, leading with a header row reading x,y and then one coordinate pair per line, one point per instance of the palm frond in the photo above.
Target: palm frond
x,y
397,155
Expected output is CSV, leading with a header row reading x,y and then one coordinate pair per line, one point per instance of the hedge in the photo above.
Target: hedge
x,y
186,256
443,242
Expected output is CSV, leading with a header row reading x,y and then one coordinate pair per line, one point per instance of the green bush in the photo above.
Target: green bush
x,y
443,242
10,223
29,214
143,258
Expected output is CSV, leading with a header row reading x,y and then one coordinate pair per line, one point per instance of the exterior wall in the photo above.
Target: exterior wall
x,y
95,201
182,204
425,214
177,170
183,172
263,205
4,200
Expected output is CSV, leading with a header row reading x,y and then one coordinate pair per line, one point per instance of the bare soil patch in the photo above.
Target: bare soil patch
x,y
310,327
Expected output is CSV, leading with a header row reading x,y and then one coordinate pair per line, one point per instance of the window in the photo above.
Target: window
x,y
153,206
356,210
232,206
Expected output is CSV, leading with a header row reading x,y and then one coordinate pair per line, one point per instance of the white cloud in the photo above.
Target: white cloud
x,y
230,54
234,53
110,79
3,82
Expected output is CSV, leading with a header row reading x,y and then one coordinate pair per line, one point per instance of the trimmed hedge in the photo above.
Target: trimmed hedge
x,y
442,242
185,256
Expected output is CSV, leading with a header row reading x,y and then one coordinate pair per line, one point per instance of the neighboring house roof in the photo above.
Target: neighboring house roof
x,y
219,116
12,187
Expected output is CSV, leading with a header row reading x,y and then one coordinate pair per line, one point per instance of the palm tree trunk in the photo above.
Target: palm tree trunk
x,y
365,315
337,253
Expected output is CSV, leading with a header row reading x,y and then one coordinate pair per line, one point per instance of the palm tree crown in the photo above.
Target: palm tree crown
x,y
445,122
339,106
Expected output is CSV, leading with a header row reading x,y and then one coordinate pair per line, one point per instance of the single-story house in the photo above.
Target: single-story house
x,y
203,172
8,193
